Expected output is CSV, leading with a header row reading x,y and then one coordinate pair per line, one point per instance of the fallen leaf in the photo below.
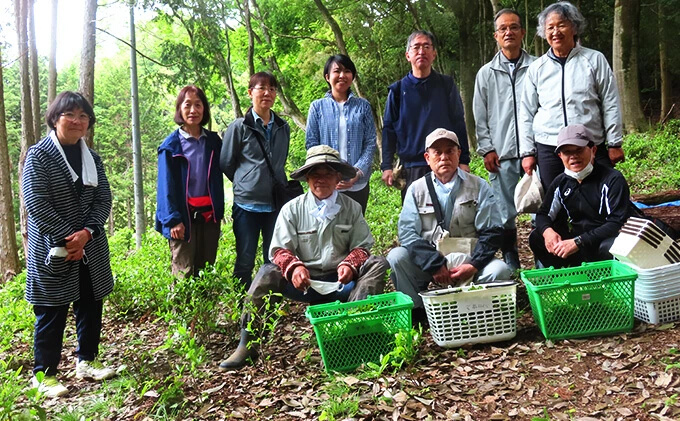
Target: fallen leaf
x,y
624,411
663,380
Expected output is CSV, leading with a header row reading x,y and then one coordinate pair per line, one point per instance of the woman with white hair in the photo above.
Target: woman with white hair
x,y
570,84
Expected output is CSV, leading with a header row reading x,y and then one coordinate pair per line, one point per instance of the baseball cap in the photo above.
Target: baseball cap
x,y
441,134
574,134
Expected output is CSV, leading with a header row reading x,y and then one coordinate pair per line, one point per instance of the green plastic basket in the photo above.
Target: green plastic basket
x,y
350,334
593,299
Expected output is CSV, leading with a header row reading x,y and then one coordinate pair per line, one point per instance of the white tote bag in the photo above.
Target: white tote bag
x,y
529,193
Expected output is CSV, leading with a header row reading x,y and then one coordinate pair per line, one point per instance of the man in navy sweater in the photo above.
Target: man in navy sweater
x,y
416,105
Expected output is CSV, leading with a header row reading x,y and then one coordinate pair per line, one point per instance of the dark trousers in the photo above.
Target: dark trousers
x,y
411,175
550,165
247,228
50,322
360,196
585,254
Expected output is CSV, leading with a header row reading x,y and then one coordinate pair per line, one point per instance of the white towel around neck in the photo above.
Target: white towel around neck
x,y
89,170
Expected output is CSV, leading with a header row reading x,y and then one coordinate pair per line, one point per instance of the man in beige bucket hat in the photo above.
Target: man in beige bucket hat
x,y
319,251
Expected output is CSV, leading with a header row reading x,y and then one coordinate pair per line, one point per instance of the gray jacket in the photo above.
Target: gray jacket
x,y
242,161
496,105
582,91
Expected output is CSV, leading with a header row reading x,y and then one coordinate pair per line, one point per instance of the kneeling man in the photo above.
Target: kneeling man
x,y
584,207
320,238
465,208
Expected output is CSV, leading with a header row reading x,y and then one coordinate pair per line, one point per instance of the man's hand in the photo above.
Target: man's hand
x,y
464,167
75,244
552,238
616,155
491,162
565,248
529,164
462,272
345,274
300,278
177,232
387,177
442,276
345,184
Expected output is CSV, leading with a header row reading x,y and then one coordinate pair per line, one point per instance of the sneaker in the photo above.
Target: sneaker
x,y
94,370
50,387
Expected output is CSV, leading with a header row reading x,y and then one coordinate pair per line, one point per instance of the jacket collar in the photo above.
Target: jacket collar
x,y
574,51
249,120
498,60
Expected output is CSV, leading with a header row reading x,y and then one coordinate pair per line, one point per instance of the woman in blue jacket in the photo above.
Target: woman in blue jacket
x,y
344,122
190,194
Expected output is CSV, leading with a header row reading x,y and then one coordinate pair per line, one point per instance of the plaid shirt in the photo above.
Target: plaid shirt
x,y
322,128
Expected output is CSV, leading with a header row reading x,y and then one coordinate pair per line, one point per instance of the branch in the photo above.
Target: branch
x,y
322,41
667,115
136,50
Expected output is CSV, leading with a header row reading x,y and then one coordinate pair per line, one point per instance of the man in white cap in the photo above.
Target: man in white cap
x,y
592,199
446,203
319,251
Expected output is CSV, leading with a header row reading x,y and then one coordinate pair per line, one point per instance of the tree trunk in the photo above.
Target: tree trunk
x,y
52,79
27,134
34,75
87,58
467,11
289,106
624,53
9,258
339,38
140,223
664,65
496,5
251,38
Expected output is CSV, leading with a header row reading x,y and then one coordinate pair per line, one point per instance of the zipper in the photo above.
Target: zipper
x,y
212,202
186,194
564,100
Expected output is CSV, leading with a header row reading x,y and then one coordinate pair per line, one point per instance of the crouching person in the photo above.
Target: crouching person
x,y
319,236
465,209
584,208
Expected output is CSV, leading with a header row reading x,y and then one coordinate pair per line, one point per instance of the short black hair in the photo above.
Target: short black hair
x,y
343,61
182,96
265,78
68,101
507,11
421,32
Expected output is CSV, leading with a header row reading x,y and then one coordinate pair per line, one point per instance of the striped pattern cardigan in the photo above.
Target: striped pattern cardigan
x,y
55,211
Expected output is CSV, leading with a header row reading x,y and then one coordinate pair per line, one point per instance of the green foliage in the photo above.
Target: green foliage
x,y
404,353
341,404
651,163
12,386
16,315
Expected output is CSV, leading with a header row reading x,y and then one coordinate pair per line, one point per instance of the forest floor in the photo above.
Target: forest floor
x,y
632,376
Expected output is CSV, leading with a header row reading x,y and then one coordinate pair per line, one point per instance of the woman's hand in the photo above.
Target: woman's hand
x,y
177,232
344,274
345,184
300,278
75,244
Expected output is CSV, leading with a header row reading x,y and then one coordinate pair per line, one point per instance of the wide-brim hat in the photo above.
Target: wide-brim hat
x,y
574,135
324,155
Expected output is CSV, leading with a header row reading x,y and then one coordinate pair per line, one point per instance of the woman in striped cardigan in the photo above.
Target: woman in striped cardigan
x,y
68,200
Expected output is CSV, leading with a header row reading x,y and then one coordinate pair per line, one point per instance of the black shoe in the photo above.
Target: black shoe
x,y
419,318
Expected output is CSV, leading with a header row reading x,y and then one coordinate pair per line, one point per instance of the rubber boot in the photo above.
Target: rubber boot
x,y
509,249
242,354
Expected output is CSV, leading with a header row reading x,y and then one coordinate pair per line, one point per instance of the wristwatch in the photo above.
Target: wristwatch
x,y
90,230
578,241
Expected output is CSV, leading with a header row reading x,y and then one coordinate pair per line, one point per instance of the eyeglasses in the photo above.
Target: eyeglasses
x,y
575,151
269,89
418,47
81,118
511,28
319,174
561,27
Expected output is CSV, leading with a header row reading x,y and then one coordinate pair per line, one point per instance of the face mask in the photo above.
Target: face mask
x,y
325,288
579,176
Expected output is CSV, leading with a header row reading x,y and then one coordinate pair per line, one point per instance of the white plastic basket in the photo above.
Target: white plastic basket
x,y
661,311
471,314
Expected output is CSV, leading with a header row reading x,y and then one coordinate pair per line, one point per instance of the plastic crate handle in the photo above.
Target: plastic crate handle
x,y
586,296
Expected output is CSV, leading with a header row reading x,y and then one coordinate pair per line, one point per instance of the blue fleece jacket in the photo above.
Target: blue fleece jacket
x,y
415,107
171,193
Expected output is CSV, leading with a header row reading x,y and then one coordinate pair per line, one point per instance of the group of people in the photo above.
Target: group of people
x,y
558,114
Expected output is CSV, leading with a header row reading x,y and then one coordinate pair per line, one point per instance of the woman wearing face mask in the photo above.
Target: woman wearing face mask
x,y
243,162
570,84
344,122
584,208
190,193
